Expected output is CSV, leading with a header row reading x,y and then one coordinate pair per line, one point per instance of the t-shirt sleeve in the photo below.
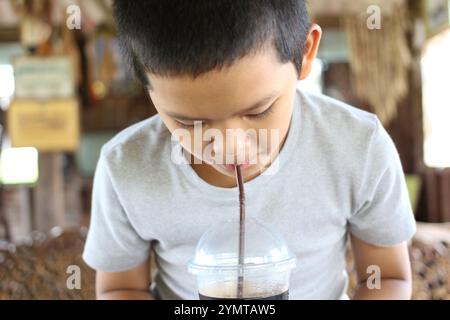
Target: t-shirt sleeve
x,y
112,243
383,214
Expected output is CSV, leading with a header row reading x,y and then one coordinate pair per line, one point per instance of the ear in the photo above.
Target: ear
x,y
310,51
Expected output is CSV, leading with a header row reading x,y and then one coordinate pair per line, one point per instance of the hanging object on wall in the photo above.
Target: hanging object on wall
x,y
108,76
35,24
380,57
43,78
436,15
48,126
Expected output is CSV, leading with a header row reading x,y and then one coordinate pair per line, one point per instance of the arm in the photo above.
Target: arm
x,y
132,284
395,268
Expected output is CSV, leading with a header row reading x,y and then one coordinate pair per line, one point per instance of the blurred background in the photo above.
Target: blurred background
x,y
64,92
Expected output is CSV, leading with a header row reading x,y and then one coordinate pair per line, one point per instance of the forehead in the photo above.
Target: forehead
x,y
226,90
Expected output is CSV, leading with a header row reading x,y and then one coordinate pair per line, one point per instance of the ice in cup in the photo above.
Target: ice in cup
x,y
264,273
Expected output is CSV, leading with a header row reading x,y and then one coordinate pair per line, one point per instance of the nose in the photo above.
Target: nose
x,y
235,149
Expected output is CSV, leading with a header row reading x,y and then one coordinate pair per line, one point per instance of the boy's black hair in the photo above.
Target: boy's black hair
x,y
192,37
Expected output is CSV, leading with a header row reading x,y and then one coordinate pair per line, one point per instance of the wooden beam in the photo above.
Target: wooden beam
x,y
9,35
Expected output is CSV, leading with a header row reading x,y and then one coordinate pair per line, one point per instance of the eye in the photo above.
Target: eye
x,y
185,126
189,125
261,115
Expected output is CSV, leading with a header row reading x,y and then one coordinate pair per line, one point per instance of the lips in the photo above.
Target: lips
x,y
232,167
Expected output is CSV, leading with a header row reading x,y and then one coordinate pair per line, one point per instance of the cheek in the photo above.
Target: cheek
x,y
178,132
277,130
184,136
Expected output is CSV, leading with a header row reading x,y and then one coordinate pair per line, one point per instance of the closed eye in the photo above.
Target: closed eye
x,y
261,115
257,116
190,125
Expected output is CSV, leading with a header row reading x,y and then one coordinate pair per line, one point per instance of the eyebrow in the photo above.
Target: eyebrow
x,y
254,106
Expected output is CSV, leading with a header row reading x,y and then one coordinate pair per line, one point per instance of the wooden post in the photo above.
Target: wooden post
x,y
49,209
16,209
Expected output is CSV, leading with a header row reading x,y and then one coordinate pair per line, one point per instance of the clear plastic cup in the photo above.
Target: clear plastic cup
x,y
264,273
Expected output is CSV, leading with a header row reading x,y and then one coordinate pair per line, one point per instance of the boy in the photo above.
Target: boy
x,y
234,65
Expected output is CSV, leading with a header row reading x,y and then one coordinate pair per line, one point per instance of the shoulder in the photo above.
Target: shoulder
x,y
336,114
334,122
344,133
140,143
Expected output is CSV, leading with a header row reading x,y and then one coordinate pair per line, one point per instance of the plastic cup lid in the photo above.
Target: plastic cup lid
x,y
264,250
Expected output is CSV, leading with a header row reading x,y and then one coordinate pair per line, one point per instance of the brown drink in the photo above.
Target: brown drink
x,y
281,296
227,291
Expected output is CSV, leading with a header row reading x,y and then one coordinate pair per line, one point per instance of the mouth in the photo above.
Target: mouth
x,y
232,167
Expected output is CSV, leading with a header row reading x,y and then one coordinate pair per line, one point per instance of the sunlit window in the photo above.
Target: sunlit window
x,y
436,101
6,84
19,166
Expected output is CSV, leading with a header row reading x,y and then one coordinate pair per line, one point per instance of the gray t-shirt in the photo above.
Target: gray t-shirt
x,y
339,172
